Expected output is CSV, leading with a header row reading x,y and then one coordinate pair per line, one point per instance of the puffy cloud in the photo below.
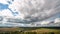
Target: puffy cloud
x,y
33,11
45,22
5,12
57,20
5,1
38,10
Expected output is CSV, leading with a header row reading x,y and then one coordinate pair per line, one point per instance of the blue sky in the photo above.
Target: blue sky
x,y
6,6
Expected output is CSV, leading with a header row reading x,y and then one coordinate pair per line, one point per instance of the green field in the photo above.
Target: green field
x,y
30,30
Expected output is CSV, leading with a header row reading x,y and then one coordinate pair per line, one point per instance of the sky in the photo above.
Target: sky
x,y
30,11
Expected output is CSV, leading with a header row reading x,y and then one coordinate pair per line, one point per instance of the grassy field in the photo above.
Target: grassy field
x,y
28,30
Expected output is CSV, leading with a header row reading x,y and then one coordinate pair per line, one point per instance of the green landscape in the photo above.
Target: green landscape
x,y
30,30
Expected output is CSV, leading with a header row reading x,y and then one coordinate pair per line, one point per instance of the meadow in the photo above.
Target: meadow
x,y
30,30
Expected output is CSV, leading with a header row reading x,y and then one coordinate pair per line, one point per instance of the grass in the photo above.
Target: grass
x,y
45,31
28,30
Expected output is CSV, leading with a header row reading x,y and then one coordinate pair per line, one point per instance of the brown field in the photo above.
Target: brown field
x,y
29,31
8,29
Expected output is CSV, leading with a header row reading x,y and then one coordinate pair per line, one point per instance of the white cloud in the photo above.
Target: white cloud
x,y
45,22
36,10
57,20
5,12
4,1
32,12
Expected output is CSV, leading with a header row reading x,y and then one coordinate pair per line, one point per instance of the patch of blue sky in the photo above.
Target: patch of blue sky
x,y
3,6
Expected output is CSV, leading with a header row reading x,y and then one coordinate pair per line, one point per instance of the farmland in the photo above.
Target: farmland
x,y
30,30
